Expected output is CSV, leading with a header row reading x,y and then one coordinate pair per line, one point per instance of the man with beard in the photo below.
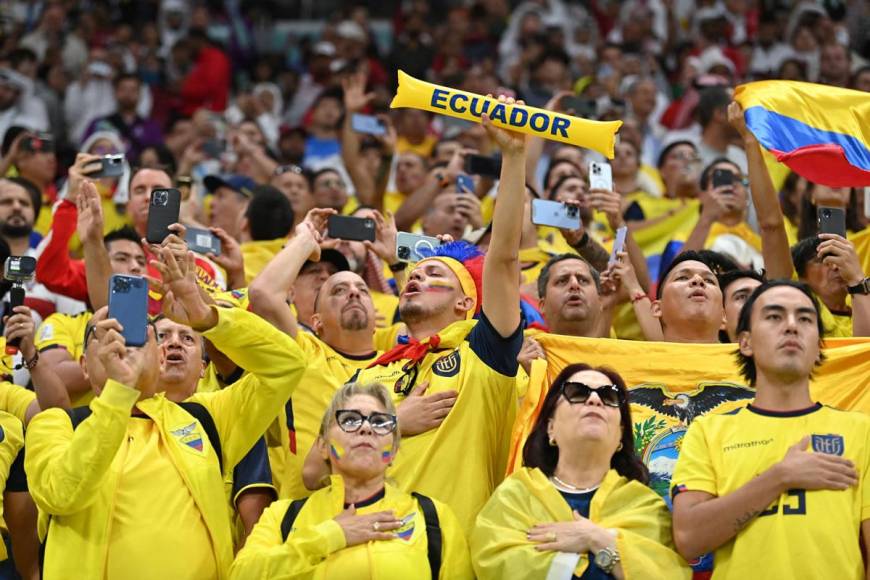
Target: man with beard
x,y
19,206
462,460
342,343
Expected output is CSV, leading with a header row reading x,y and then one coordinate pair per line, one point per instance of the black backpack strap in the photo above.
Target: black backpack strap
x,y
78,415
201,414
198,411
433,532
290,517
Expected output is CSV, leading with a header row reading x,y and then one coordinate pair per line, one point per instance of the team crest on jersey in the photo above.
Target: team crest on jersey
x,y
190,436
447,366
830,444
406,530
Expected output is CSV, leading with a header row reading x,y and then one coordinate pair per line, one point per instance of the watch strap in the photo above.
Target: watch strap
x,y
862,287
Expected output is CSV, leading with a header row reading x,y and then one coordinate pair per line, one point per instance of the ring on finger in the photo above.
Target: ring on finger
x,y
376,526
552,537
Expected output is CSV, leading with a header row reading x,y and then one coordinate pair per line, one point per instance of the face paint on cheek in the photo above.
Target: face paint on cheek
x,y
387,454
438,286
336,451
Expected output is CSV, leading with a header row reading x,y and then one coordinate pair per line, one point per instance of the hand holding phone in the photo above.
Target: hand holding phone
x,y
163,211
722,178
356,229
110,166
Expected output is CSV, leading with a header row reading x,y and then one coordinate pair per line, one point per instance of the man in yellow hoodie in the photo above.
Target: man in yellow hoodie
x,y
135,489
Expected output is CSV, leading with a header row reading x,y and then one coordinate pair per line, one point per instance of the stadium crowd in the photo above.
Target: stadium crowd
x,y
335,403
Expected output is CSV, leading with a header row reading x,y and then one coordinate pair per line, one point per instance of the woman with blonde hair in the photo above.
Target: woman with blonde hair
x,y
359,525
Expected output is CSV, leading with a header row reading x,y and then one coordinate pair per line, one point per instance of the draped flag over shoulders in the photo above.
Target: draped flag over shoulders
x,y
820,132
671,384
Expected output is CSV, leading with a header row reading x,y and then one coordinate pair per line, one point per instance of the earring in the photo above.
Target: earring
x,y
619,448
552,442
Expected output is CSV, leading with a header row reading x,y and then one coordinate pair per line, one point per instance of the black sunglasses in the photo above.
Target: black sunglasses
x,y
577,393
351,421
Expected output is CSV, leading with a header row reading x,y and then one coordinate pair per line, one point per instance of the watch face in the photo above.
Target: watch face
x,y
603,559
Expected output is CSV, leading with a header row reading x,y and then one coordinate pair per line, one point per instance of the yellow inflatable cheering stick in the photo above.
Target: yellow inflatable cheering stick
x,y
416,94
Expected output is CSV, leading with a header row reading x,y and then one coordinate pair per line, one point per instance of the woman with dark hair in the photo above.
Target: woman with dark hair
x,y
580,507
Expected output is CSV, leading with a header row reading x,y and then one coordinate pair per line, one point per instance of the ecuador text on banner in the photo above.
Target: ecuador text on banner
x,y
417,94
820,132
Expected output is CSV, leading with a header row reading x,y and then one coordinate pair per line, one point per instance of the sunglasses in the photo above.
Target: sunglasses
x,y
578,393
351,421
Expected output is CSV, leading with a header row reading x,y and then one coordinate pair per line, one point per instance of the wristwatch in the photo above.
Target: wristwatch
x,y
607,559
862,287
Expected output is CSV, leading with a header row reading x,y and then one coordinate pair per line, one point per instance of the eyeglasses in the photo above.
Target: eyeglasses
x,y
331,184
577,393
282,169
351,421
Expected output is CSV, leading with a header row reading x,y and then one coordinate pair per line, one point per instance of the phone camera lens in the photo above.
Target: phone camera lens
x,y
826,213
160,198
404,252
121,285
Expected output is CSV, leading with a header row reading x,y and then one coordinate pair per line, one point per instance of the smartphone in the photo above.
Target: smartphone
x,y
600,176
410,246
162,212
482,165
110,166
342,227
832,220
367,124
464,184
582,107
128,304
618,245
202,241
556,214
722,177
214,148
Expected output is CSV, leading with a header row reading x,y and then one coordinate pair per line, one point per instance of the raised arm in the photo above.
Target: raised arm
x,y
268,291
501,267
355,100
98,268
774,241
839,252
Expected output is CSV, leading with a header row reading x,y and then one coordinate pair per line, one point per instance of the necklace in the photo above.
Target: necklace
x,y
572,488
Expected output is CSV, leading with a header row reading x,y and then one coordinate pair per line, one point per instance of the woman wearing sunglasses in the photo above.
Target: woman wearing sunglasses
x,y
359,525
580,507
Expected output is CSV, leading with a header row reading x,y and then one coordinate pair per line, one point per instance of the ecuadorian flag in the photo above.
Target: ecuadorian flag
x,y
820,132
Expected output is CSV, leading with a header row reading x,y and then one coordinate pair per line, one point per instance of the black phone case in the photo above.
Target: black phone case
x,y
482,165
832,220
341,227
162,212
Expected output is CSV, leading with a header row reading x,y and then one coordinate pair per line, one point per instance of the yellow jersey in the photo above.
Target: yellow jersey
x,y
803,534
327,371
463,460
66,331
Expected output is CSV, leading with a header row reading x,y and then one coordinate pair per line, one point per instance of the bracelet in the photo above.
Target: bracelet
x,y
30,364
638,296
398,267
584,240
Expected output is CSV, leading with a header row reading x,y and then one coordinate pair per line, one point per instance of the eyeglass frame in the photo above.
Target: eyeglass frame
x,y
364,419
